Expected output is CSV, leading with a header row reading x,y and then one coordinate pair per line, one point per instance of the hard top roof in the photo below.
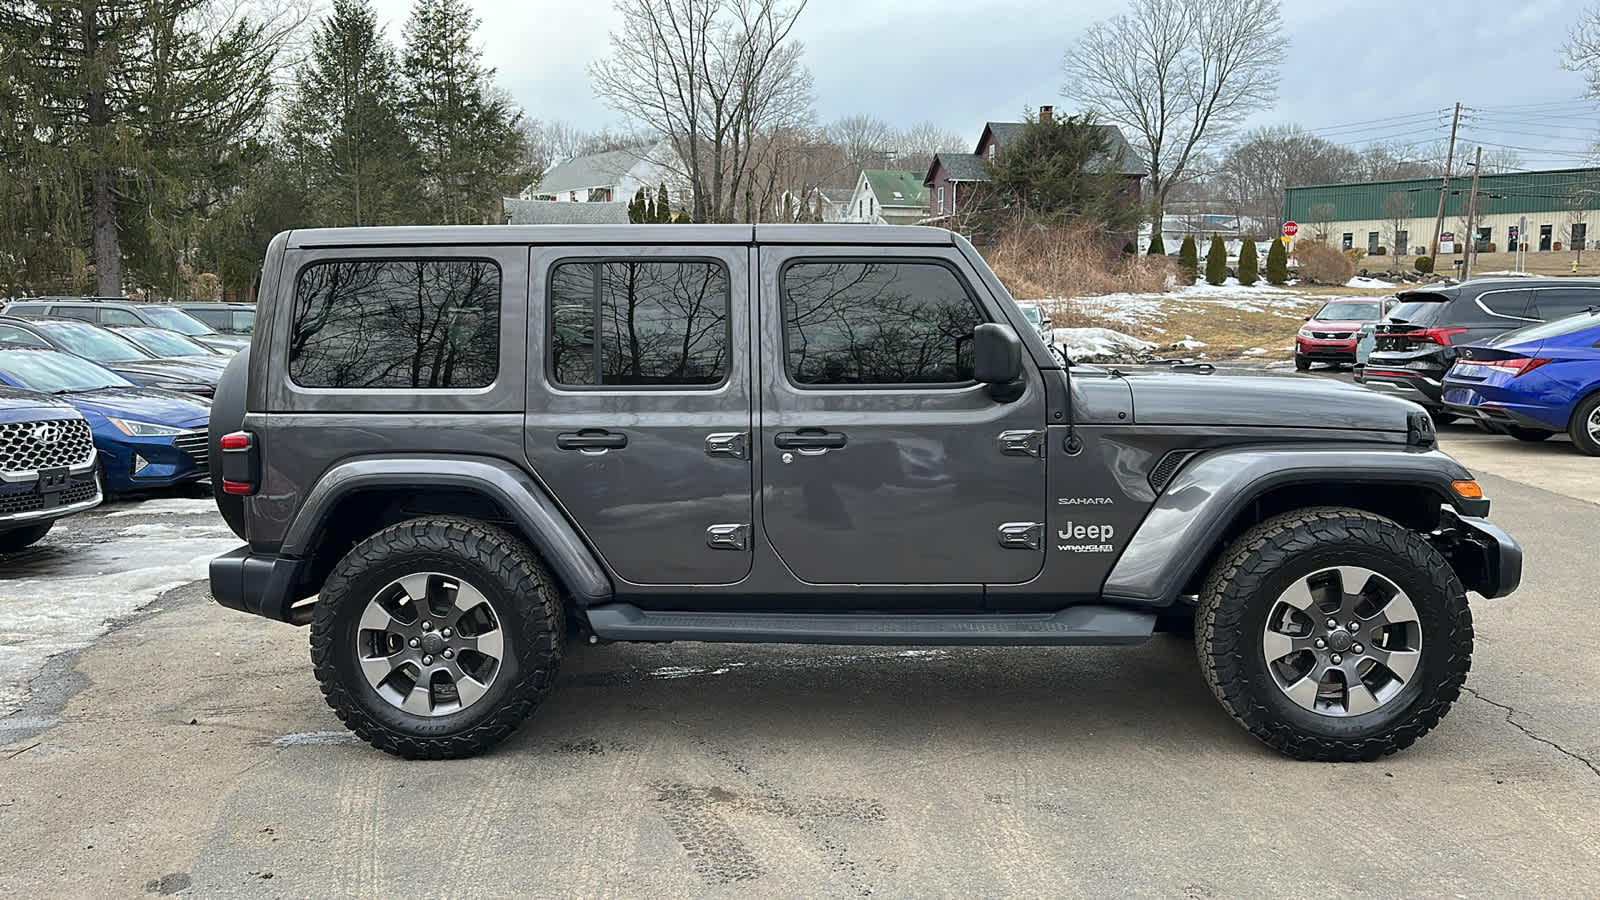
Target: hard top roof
x,y
656,234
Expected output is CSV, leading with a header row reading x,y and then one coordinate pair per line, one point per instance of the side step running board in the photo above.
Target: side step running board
x,y
1073,625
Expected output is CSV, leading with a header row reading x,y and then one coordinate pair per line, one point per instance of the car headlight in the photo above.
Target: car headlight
x,y
135,428
1305,332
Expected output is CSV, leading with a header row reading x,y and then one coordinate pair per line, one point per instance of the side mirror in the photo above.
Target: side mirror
x,y
996,354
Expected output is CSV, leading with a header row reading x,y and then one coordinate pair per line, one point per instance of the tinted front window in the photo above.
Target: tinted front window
x,y
92,342
244,321
86,313
396,323
216,318
1558,303
1348,311
52,372
113,316
877,323
658,323
1506,303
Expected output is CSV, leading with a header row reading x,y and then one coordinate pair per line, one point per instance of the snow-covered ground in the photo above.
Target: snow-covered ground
x,y
1090,345
1144,311
94,568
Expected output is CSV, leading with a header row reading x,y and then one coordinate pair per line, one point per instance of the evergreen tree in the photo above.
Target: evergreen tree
x,y
1216,261
1157,247
468,139
1059,170
663,205
1248,262
344,128
1277,263
1188,261
636,207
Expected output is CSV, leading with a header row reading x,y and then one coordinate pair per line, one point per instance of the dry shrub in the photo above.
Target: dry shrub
x,y
1036,262
1324,264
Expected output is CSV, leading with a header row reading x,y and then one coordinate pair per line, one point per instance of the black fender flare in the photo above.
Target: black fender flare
x,y
512,489
1183,525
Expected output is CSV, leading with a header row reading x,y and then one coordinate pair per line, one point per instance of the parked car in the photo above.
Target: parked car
x,y
1039,318
146,437
102,311
47,462
116,353
1330,334
164,344
224,318
1533,382
1415,343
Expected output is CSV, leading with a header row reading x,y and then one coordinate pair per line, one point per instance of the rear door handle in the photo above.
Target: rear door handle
x,y
591,439
809,439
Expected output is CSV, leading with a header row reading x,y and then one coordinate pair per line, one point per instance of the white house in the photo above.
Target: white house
x,y
612,177
888,196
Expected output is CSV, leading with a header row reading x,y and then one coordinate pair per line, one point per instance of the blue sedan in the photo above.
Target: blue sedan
x,y
147,437
1533,382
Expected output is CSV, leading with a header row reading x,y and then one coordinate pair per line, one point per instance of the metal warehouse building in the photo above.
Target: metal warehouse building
x,y
1398,216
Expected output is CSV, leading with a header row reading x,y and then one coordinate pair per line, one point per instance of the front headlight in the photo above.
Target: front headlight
x,y
134,428
1305,332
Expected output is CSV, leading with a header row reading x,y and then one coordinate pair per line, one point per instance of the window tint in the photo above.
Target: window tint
x,y
877,323
1506,303
86,313
118,317
213,317
13,334
244,321
658,323
1554,328
1418,309
1558,303
396,323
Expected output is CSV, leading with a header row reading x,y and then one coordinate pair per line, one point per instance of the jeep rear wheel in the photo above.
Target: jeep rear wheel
x,y
435,638
1334,634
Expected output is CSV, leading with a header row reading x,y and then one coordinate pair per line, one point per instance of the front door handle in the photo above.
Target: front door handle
x,y
591,439
809,439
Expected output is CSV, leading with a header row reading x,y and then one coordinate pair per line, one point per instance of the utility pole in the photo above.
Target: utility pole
x,y
1444,188
1472,225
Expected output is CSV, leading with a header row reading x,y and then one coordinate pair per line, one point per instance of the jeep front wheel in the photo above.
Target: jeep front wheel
x,y
435,638
1334,634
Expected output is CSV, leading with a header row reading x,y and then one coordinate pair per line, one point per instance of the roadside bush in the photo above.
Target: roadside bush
x,y
1424,264
1277,263
1157,246
1322,264
1355,254
1037,262
1216,261
1248,262
1188,261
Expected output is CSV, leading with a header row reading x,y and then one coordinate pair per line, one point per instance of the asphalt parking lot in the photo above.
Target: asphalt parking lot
x,y
187,751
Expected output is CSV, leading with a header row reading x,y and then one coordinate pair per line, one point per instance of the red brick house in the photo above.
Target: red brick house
x,y
951,176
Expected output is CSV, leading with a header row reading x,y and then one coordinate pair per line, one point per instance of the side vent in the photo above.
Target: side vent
x,y
1169,465
1419,429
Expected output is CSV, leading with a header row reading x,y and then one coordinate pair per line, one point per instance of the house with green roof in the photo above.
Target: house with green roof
x,y
888,197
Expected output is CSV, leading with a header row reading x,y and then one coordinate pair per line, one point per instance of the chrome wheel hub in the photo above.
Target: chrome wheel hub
x,y
430,644
1342,641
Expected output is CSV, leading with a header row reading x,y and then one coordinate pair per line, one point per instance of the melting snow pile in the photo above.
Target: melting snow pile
x,y
1094,345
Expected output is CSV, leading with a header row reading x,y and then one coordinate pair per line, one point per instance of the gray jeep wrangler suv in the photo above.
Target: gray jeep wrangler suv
x,y
454,450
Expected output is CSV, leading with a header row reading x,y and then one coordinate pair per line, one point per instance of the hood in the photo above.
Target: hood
x,y
147,371
221,341
1282,401
144,405
17,400
1336,324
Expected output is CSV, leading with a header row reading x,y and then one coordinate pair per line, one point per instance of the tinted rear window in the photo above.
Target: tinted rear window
x,y
1558,303
1418,308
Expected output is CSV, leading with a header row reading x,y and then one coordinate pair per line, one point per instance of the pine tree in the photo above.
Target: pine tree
x,y
637,207
663,205
1216,261
344,128
1059,170
468,140
1277,264
1157,247
1248,262
1188,261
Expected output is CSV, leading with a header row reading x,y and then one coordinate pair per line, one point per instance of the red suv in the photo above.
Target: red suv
x,y
1331,334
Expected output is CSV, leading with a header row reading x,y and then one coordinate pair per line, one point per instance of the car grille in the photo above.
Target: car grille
x,y
81,492
1333,335
196,442
30,446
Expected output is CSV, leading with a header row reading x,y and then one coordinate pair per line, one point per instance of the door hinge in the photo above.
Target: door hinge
x,y
728,537
1022,535
728,443
1022,443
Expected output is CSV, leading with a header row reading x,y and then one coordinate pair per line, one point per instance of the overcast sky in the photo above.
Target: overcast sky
x,y
1357,70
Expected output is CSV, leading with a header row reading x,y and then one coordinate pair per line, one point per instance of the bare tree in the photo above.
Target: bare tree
x,y
915,146
1502,160
1178,75
1579,201
711,77
1583,49
1396,210
1388,161
867,141
1252,176
1322,220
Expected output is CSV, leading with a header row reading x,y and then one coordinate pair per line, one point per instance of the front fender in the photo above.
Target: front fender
x,y
1188,518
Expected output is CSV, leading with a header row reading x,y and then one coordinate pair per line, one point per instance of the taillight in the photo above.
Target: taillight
x,y
239,440
239,463
1522,365
1440,336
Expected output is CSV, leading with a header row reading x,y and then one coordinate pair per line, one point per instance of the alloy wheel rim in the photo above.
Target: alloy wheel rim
x,y
1594,425
430,644
1342,641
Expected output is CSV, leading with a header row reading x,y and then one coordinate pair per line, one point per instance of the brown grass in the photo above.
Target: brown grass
x,y
1060,263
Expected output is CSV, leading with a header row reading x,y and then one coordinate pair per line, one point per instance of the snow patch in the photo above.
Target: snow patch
x,y
1363,282
1088,345
1255,351
314,739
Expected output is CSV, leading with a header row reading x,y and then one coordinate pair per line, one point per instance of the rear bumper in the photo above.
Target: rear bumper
x,y
1419,386
259,584
1484,557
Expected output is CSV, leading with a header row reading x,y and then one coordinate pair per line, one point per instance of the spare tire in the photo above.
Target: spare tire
x,y
227,416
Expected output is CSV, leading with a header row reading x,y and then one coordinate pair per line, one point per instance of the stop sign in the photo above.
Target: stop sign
x,y
1290,229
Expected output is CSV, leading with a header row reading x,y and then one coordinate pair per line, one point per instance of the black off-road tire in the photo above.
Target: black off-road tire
x,y
1254,571
1531,435
1301,364
1579,426
524,596
22,538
